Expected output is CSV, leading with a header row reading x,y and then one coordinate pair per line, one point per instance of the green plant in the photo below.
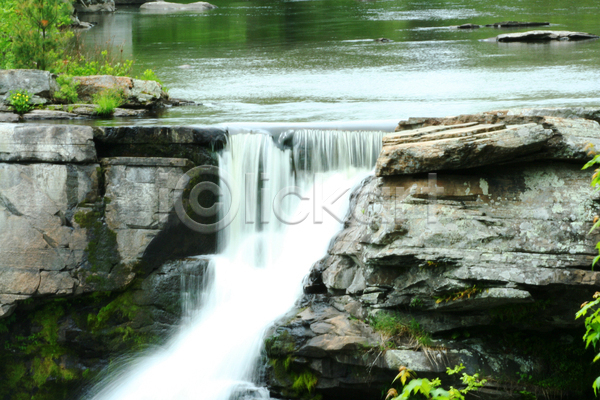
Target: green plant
x,y
592,332
37,39
431,389
94,62
68,89
595,183
416,302
107,101
149,75
458,295
393,326
20,101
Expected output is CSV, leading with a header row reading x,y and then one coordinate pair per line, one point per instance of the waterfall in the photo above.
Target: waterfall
x,y
264,254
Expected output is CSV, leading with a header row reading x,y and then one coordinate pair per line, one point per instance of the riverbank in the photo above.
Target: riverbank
x,y
132,97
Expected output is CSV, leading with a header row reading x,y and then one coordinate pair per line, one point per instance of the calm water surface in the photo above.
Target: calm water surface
x,y
316,60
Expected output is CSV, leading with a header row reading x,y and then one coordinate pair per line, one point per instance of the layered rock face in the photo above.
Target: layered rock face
x,y
474,233
72,222
93,258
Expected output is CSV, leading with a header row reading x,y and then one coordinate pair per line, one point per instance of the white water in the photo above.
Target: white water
x,y
257,277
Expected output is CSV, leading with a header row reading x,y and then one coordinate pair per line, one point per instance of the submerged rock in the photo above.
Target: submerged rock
x,y
516,24
468,26
165,6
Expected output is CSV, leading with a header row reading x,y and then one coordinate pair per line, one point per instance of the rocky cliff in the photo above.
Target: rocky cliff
x,y
469,245
91,252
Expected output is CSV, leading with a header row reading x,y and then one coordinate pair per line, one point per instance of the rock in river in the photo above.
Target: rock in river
x,y
542,36
162,6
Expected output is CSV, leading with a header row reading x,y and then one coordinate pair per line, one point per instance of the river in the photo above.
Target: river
x,y
317,60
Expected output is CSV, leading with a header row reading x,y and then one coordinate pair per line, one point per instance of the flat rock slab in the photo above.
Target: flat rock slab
x,y
9,117
165,6
135,134
46,143
411,152
542,36
49,114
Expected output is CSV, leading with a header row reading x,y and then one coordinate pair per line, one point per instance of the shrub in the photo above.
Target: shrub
x,y
68,89
20,100
37,40
107,101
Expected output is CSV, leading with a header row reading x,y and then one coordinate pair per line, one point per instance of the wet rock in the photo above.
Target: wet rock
x,y
94,6
516,24
41,84
165,6
468,26
48,114
46,143
542,36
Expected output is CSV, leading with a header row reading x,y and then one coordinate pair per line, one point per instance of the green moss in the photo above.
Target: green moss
x,y
31,363
280,344
305,382
102,249
299,380
35,358
115,319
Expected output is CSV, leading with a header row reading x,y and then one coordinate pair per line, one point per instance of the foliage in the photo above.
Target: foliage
x,y
101,63
592,326
68,89
458,295
392,325
20,100
416,302
431,389
149,75
107,100
37,40
595,183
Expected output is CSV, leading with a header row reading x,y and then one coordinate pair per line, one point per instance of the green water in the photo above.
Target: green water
x,y
296,61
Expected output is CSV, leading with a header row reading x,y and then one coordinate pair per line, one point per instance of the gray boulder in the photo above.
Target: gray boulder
x,y
41,84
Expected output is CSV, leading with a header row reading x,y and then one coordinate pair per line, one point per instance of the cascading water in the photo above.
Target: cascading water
x,y
265,253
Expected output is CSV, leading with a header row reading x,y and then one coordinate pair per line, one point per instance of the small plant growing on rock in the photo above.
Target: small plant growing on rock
x,y
458,295
20,101
107,101
68,89
592,326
